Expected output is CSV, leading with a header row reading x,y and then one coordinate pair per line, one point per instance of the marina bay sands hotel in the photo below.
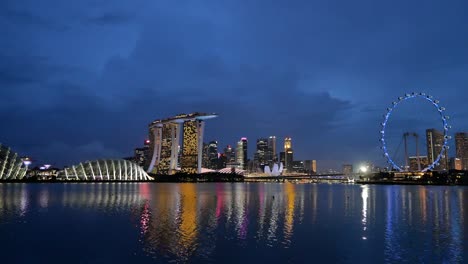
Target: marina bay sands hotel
x,y
164,135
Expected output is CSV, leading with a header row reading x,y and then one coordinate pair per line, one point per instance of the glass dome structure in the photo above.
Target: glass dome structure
x,y
11,165
105,170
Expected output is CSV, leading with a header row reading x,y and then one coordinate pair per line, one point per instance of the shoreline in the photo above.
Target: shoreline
x,y
229,180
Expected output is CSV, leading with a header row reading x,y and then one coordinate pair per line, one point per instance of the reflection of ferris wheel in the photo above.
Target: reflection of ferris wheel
x,y
443,117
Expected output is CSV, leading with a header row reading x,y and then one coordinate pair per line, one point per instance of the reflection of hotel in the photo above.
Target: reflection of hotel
x,y
185,220
165,140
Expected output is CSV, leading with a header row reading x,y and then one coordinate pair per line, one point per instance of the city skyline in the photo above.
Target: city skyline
x,y
71,92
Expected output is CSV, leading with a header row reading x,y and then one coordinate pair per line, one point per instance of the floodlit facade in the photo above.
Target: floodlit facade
x,y
11,166
105,170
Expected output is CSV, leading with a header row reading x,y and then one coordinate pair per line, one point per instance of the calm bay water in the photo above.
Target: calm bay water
x,y
232,223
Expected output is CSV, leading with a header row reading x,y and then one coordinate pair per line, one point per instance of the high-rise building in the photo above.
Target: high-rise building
x,y
165,143
222,161
313,166
288,158
205,157
230,154
461,146
455,164
282,157
271,153
213,154
141,154
298,166
261,152
435,142
304,166
287,143
347,169
241,153
413,163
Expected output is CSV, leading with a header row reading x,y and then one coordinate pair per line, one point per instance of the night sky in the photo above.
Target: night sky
x,y
81,80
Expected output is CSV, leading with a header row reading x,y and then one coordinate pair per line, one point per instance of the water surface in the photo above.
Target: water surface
x,y
232,223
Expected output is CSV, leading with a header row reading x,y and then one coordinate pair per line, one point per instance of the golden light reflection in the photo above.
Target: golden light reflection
x,y
188,216
290,193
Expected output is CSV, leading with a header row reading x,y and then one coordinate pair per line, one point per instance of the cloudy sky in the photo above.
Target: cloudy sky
x,y
81,80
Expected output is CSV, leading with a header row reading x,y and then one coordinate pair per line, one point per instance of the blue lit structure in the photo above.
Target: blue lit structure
x,y
444,119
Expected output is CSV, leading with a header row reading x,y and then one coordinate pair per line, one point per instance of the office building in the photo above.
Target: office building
x,y
310,166
230,154
461,148
455,164
435,142
213,154
261,153
413,163
282,156
241,153
271,153
289,158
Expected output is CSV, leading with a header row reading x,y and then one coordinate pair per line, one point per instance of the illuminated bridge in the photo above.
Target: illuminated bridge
x,y
164,135
105,170
11,166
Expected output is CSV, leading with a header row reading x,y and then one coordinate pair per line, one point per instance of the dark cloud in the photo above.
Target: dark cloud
x,y
111,19
320,72
25,18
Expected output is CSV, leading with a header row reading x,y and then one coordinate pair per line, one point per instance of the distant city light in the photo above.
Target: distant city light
x,y
27,161
364,169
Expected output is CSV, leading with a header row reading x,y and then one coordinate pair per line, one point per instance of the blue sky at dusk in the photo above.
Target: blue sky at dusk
x,y
81,80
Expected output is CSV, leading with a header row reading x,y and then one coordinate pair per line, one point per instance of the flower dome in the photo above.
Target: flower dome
x,y
105,170
11,165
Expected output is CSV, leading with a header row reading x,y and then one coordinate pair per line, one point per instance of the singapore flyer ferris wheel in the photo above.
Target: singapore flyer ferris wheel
x,y
445,128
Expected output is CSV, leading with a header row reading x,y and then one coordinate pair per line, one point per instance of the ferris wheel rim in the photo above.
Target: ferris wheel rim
x,y
444,119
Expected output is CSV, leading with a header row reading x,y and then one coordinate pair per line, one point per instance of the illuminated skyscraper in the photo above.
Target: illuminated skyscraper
x,y
241,153
287,143
213,154
461,146
288,151
261,152
205,157
230,154
435,142
271,153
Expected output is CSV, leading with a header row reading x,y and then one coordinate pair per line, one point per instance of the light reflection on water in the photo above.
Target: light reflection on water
x,y
240,222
